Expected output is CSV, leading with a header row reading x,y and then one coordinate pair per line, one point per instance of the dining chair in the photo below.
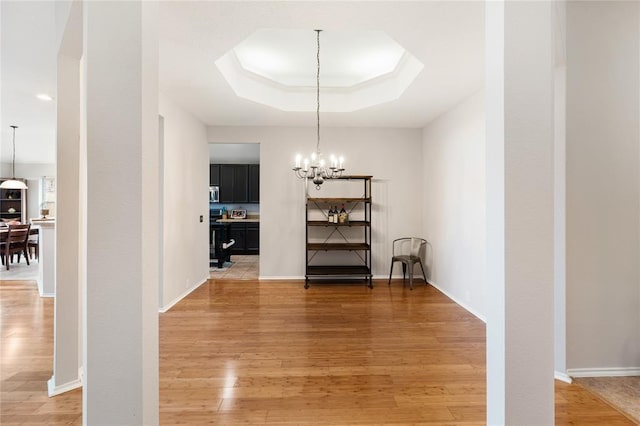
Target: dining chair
x,y
408,250
16,243
34,243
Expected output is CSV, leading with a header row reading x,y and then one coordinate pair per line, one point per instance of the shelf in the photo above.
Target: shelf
x,y
340,200
337,246
10,199
326,223
338,271
358,261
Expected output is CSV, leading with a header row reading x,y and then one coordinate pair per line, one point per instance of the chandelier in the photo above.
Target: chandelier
x,y
317,169
13,183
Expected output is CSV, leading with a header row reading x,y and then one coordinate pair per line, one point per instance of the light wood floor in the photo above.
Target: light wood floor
x,y
270,352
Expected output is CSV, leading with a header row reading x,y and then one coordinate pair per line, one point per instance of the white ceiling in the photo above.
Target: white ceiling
x,y
447,37
234,153
28,68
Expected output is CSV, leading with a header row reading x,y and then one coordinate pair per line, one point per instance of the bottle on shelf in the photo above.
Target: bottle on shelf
x,y
343,216
330,215
335,214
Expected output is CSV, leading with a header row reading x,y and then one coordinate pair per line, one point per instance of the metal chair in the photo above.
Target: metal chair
x,y
408,250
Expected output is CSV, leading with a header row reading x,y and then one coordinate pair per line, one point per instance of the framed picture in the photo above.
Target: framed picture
x,y
238,214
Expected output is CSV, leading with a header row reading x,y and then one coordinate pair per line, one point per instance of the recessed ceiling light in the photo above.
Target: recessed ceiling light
x,y
44,97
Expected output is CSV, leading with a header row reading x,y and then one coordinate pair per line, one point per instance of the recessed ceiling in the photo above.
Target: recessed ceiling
x,y
358,69
288,56
446,36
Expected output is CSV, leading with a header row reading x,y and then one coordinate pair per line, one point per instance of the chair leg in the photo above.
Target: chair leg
x,y
424,275
26,256
410,275
390,272
404,271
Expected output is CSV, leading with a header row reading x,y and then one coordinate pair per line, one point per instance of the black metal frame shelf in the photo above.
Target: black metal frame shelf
x,y
361,246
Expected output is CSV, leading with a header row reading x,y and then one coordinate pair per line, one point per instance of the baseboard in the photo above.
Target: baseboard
x,y
165,308
280,278
54,390
47,295
604,372
563,377
463,305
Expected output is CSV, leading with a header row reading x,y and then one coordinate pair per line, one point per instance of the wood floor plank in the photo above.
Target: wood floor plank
x,y
250,352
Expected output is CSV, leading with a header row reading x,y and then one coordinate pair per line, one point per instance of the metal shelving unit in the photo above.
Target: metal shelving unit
x,y
359,245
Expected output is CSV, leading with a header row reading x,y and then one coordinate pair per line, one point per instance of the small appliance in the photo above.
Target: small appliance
x,y
214,194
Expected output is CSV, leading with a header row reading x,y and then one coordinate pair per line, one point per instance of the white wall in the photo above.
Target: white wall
x,y
392,156
603,187
186,186
454,202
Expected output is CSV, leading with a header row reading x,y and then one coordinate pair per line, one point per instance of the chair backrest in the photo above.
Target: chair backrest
x,y
408,246
18,234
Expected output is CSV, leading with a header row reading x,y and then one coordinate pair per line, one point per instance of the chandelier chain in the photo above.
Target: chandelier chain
x,y
13,158
318,91
317,169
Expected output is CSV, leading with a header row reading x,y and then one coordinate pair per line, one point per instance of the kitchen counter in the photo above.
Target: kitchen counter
x,y
248,220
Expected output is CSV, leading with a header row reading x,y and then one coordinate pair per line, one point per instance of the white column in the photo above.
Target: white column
x,y
519,96
66,359
46,258
121,295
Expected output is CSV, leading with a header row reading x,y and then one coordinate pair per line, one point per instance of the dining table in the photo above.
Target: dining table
x,y
4,231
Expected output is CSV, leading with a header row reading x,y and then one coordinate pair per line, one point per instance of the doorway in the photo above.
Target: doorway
x,y
234,211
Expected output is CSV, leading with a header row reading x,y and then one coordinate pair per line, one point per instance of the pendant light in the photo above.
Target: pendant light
x,y
317,169
13,183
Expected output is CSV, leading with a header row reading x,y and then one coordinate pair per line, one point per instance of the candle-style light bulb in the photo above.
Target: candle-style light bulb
x,y
306,164
341,161
298,159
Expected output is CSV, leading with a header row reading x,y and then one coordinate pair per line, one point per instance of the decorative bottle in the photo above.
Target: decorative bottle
x,y
343,215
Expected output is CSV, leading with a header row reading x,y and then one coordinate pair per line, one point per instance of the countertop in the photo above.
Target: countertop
x,y
249,220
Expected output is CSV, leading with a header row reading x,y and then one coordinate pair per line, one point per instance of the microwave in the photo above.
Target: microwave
x,y
214,194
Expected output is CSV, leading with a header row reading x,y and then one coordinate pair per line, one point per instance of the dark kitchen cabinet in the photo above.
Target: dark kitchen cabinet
x,y
254,183
239,234
247,237
214,174
253,238
234,180
239,183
